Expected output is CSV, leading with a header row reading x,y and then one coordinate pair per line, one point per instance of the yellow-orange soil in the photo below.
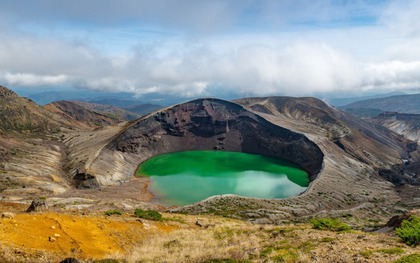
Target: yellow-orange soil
x,y
76,235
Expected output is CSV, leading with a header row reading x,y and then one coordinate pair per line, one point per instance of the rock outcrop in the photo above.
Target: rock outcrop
x,y
37,205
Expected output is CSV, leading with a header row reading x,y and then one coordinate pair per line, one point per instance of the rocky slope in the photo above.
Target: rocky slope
x,y
32,158
404,124
19,115
109,110
77,113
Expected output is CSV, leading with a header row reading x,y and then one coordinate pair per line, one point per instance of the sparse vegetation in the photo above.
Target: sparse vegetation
x,y
112,212
409,231
327,240
413,258
148,214
387,251
391,251
332,224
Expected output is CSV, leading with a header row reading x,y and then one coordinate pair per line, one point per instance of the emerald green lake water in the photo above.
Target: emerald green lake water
x,y
183,178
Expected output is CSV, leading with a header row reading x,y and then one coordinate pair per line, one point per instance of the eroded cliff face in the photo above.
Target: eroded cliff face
x,y
407,125
207,124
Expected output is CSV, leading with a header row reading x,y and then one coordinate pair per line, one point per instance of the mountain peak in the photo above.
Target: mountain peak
x,y
5,92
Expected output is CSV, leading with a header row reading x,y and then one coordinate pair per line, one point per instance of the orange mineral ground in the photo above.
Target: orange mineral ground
x,y
78,236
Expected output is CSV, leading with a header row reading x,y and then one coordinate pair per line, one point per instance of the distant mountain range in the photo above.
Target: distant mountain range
x,y
119,99
402,104
344,101
132,106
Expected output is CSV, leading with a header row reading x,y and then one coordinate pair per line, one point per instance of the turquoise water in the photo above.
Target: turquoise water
x,y
183,178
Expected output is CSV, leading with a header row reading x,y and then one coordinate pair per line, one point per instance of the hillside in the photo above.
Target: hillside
x,y
401,104
19,114
33,157
404,124
80,112
108,110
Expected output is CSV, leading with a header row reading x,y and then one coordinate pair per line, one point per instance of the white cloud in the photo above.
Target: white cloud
x,y
28,79
297,68
297,62
391,75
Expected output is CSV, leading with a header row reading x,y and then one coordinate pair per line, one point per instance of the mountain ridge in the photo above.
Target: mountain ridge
x,y
401,103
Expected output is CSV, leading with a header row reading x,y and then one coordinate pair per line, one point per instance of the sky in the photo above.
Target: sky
x,y
197,48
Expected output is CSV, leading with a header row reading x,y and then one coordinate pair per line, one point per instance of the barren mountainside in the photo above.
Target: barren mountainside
x,y
77,113
108,110
19,114
404,124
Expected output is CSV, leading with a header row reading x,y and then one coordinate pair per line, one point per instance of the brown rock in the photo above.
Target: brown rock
x,y
37,205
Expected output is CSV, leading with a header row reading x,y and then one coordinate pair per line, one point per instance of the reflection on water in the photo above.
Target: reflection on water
x,y
187,177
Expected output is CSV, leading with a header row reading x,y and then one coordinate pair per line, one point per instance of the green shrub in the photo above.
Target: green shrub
x,y
413,258
113,212
409,231
332,224
148,214
327,240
